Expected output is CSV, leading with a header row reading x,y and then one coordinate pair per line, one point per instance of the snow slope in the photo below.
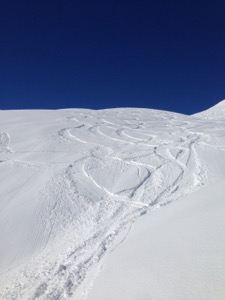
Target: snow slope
x,y
216,112
73,182
174,253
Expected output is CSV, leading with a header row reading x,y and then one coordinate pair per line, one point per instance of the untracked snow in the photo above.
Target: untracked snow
x,y
97,204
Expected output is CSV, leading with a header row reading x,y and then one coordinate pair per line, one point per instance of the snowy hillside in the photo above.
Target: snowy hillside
x,y
97,204
216,112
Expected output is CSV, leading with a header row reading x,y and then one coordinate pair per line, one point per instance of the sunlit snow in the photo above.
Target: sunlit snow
x,y
95,204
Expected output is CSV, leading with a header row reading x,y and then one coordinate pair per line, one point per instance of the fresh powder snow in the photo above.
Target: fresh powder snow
x,y
115,204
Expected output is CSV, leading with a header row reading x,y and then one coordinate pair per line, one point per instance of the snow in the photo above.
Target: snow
x,y
176,252
112,204
216,112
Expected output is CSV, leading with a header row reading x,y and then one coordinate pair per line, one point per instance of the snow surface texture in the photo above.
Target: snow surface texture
x,y
177,253
72,183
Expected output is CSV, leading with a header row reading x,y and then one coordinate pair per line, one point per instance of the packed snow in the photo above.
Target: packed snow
x,y
112,204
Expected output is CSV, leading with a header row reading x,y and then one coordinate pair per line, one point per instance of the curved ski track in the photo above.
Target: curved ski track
x,y
121,164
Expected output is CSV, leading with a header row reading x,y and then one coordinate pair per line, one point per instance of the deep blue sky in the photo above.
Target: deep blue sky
x,y
163,54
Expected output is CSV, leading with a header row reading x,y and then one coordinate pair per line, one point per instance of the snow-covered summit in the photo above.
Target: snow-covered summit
x,y
215,112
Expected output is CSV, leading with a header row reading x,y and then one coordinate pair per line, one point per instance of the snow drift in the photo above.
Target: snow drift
x,y
73,183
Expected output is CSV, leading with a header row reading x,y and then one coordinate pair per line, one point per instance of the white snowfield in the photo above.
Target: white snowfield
x,y
114,204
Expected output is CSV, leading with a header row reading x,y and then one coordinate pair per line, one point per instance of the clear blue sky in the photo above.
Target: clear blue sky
x,y
99,54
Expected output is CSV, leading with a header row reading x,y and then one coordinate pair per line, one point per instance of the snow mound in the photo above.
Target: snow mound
x,y
217,112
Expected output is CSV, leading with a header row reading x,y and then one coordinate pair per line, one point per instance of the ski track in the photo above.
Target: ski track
x,y
131,162
4,142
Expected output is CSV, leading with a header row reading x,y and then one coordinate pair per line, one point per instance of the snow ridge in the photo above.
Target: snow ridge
x,y
217,112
